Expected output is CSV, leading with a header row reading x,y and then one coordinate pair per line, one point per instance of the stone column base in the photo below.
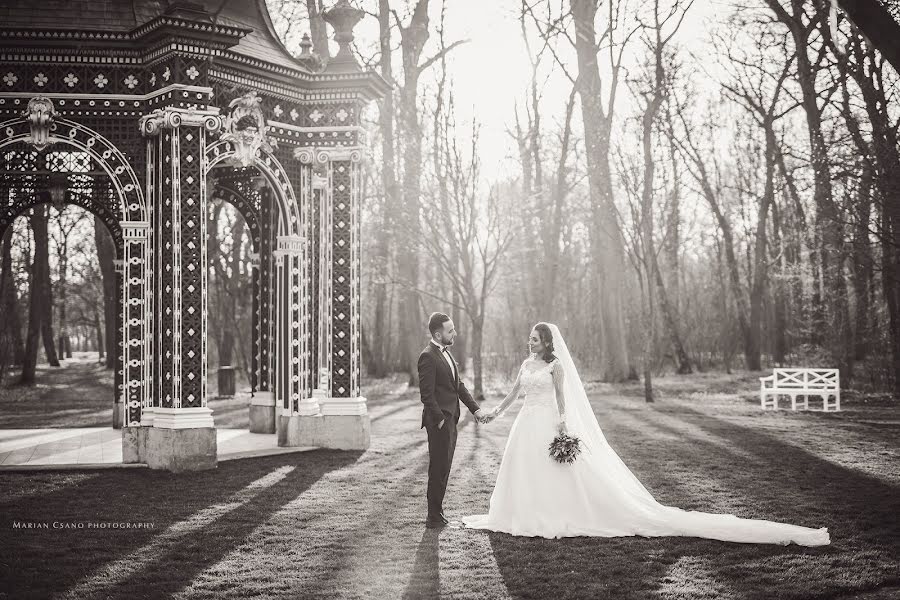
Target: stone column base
x,y
118,415
134,444
262,413
181,449
337,432
346,432
298,431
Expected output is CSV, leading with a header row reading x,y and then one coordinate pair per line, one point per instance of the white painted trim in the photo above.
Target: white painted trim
x,y
324,129
147,416
344,406
262,399
183,418
101,96
308,407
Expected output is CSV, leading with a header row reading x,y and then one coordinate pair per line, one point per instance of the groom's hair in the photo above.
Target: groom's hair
x,y
436,322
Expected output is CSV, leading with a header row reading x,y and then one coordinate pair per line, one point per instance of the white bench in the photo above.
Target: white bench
x,y
801,382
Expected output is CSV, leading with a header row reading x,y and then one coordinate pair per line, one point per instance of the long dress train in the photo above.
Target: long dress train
x,y
597,495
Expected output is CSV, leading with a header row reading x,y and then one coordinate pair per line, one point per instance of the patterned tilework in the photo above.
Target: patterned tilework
x,y
192,249
342,293
315,246
166,213
263,309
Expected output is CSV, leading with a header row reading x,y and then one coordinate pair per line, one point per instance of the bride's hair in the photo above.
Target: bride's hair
x,y
546,336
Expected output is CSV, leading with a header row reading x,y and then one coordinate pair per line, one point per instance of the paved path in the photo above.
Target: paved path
x,y
103,446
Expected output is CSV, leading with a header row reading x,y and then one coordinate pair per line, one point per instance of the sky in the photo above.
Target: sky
x,y
491,72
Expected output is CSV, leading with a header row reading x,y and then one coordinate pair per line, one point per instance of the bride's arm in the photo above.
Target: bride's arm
x,y
559,379
510,397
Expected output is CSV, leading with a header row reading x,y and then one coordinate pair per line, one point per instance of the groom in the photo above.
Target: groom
x,y
441,390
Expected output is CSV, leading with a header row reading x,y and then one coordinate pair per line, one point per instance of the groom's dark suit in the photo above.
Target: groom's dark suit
x,y
441,390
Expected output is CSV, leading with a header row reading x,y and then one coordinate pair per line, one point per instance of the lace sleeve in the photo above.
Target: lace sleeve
x,y
559,379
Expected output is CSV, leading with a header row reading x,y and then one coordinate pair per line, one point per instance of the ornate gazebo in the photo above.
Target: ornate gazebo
x,y
147,109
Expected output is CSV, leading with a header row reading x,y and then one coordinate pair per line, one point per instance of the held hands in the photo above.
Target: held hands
x,y
561,426
484,418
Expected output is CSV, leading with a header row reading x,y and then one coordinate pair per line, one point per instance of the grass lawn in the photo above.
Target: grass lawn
x,y
79,393
330,524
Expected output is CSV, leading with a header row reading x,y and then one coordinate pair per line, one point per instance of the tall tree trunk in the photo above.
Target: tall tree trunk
x,y
412,43
11,349
39,221
682,361
65,345
32,337
861,273
106,254
607,242
98,328
778,252
477,355
9,300
380,339
760,252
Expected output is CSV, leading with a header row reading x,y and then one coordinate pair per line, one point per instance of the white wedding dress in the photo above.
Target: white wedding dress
x,y
597,495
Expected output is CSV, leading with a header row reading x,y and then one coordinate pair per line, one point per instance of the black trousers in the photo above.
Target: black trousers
x,y
441,445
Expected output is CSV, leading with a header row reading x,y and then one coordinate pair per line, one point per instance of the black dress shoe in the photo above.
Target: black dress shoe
x,y
435,524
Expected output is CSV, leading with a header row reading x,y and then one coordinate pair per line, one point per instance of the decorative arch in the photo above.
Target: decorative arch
x,y
102,209
290,284
290,221
124,180
131,216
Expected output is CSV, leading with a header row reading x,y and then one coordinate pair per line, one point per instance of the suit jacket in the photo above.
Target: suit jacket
x,y
440,390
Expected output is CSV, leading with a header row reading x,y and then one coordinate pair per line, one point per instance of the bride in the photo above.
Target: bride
x,y
597,495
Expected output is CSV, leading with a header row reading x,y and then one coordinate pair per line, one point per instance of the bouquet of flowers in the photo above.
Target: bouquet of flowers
x,y
565,448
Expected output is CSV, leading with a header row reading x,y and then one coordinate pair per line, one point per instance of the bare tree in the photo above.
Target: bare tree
x,y
106,253
467,232
800,20
64,222
413,37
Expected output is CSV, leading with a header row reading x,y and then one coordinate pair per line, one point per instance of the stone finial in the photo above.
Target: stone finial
x,y
343,17
310,59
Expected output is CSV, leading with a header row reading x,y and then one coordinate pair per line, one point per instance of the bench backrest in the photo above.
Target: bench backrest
x,y
817,379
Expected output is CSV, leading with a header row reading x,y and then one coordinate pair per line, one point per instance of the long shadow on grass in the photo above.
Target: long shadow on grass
x,y
425,579
860,511
392,518
851,501
44,563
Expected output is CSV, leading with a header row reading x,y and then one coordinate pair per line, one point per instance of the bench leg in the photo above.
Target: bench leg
x,y
793,401
831,406
806,402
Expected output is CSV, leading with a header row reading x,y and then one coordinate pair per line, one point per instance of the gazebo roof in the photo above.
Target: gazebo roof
x,y
121,16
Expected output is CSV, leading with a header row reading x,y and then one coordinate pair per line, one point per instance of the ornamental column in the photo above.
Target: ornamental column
x,y
182,436
343,408
293,398
136,330
263,417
